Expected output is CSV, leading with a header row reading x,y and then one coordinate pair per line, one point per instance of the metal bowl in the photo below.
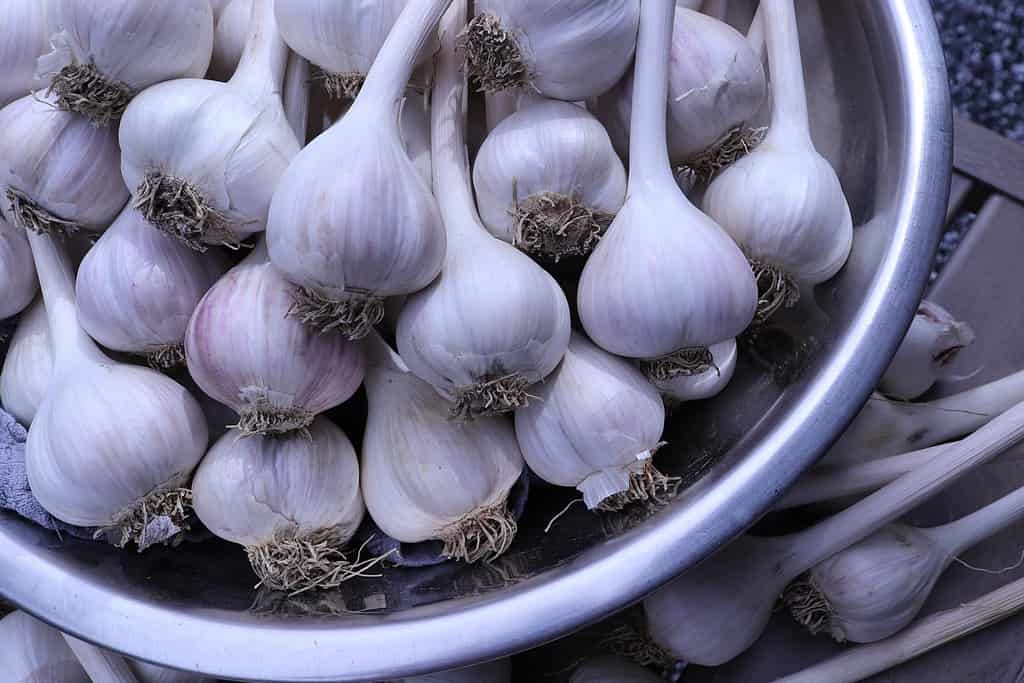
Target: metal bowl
x,y
881,113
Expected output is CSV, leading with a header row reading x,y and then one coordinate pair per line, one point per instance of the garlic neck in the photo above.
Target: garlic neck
x,y
381,359
965,532
72,346
260,72
755,33
789,95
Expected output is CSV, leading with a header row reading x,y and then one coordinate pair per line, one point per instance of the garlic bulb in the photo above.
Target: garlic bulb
x,y
112,445
17,273
243,350
783,203
707,384
497,671
341,38
716,86
665,282
548,180
425,477
349,236
568,50
203,158
293,502
58,172
24,40
595,426
480,341
28,366
609,669
34,652
106,52
932,344
229,36
137,288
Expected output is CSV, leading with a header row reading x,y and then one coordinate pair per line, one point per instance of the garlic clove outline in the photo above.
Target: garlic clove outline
x,y
28,366
18,280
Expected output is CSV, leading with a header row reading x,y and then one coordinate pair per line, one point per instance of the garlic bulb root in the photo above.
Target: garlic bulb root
x,y
686,362
491,397
646,484
810,608
493,56
83,89
260,414
733,146
297,563
775,290
484,534
341,86
27,214
178,208
552,226
354,316
172,502
166,357
637,646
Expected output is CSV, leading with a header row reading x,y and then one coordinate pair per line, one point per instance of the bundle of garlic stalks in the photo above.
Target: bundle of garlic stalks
x,y
241,248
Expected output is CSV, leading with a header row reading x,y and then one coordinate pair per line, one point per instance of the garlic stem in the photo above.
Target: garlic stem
x,y
927,634
260,72
756,33
789,94
648,141
72,346
296,96
961,534
101,665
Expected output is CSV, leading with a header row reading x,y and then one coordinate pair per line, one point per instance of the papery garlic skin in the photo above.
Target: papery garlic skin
x,y
537,165
569,50
272,495
25,39
230,32
128,45
28,366
707,384
426,477
594,426
17,272
244,350
137,289
32,651
610,669
62,169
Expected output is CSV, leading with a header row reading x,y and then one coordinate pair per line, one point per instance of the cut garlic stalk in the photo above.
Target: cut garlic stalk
x,y
203,158
783,203
609,669
17,273
24,40
107,52
32,651
703,385
28,366
665,282
548,180
595,426
292,502
426,477
137,289
243,350
570,50
482,342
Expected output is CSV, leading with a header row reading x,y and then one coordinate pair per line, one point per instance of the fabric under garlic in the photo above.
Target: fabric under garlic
x,y
58,172
595,426
28,366
568,50
24,40
548,180
17,273
292,502
105,53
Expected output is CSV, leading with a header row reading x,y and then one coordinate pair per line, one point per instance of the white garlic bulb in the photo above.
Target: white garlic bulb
x,y
24,40
349,236
569,50
137,289
595,426
716,85
17,273
203,158
479,340
341,38
32,651
112,445
783,203
229,36
665,282
548,180
292,501
426,477
58,172
243,350
610,669
28,366
707,384
106,52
